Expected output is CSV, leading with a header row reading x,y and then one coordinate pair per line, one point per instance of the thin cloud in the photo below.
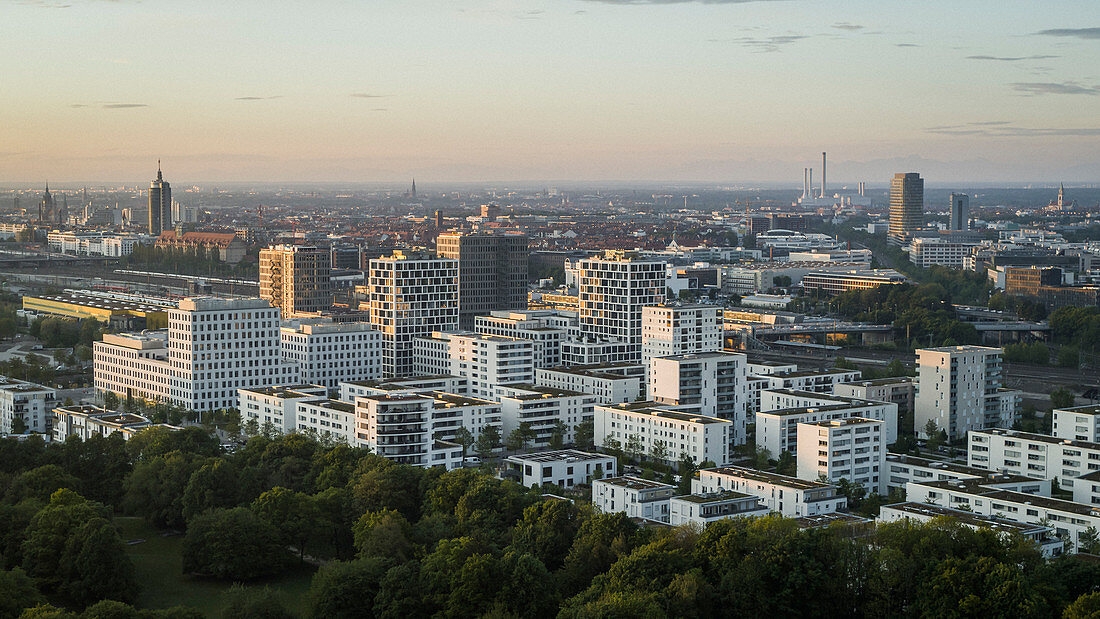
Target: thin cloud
x,y
1054,88
1002,129
846,26
644,2
906,45
109,106
1079,33
258,98
1010,58
367,95
764,44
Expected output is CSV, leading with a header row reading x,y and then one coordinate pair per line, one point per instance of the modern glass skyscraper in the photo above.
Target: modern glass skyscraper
x,y
906,206
160,204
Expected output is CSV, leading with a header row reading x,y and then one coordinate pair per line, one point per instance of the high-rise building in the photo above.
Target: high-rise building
x,y
613,289
486,361
160,204
959,389
296,278
680,330
906,206
960,212
412,294
712,384
492,271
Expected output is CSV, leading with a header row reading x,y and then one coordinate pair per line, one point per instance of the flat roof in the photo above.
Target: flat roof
x,y
942,465
878,382
97,302
809,410
849,421
1091,409
537,392
559,455
771,478
655,409
805,373
635,483
990,522
285,391
715,497
442,400
824,520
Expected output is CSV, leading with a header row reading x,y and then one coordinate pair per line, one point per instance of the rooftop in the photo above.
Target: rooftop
x,y
287,391
714,497
536,392
1039,438
561,455
1091,409
824,520
770,478
978,520
655,409
92,301
636,483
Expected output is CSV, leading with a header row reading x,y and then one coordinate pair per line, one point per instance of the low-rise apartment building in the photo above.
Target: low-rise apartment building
x,y
542,408
485,361
633,496
901,391
1078,423
659,430
703,509
546,329
84,422
1049,545
712,384
565,468
837,449
777,430
328,353
1032,455
788,496
26,407
613,383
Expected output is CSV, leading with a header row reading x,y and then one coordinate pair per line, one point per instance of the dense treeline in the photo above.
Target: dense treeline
x,y
398,541
193,261
922,313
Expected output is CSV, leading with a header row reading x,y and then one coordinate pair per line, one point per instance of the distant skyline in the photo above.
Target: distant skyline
x,y
732,91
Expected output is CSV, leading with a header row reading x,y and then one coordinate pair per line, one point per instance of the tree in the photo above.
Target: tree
x,y
18,426
686,469
212,486
786,464
293,514
1089,541
346,588
17,592
659,452
487,442
1087,606
383,534
546,531
232,544
1061,398
557,434
519,437
110,401
251,603
583,435
633,448
465,438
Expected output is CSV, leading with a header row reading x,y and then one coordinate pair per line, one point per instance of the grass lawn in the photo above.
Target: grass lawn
x,y
158,564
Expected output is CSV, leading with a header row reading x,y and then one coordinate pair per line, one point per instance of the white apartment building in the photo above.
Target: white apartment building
x,y
902,469
712,384
777,429
925,252
542,408
1086,489
545,328
633,496
820,381
851,449
411,384
326,419
1079,423
565,468
609,384
1049,545
1071,521
212,348
900,390
1032,455
612,290
411,295
485,361
679,330
703,509
959,389
31,404
788,496
701,438
329,353
851,256
276,407
93,243
398,427
85,422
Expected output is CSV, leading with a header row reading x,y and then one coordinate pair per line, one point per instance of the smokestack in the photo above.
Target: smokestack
x,y
823,174
811,183
805,184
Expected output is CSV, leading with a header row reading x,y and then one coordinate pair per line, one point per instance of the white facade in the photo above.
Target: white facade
x,y
398,427
851,449
32,404
276,407
902,469
822,381
326,419
609,384
411,295
710,384
926,252
680,330
413,384
546,329
1086,490
1080,423
93,243
633,496
701,438
486,361
777,429
212,348
542,408
329,353
703,509
1032,455
959,389
787,496
85,422
612,290
565,468
923,512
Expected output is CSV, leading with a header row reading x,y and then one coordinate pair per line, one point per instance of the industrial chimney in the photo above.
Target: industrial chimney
x,y
823,175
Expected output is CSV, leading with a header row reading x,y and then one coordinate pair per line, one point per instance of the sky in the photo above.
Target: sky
x,y
725,91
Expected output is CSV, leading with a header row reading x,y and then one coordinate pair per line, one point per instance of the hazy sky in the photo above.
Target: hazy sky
x,y
369,90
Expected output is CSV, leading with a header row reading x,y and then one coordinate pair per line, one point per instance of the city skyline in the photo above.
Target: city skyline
x,y
585,90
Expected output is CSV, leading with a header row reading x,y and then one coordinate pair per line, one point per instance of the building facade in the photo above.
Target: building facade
x,y
788,496
712,384
959,389
662,433
328,353
485,361
492,271
296,279
906,206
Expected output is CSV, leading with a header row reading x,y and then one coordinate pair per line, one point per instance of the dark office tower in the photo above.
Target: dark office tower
x,y
439,219
160,204
960,212
906,206
492,271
